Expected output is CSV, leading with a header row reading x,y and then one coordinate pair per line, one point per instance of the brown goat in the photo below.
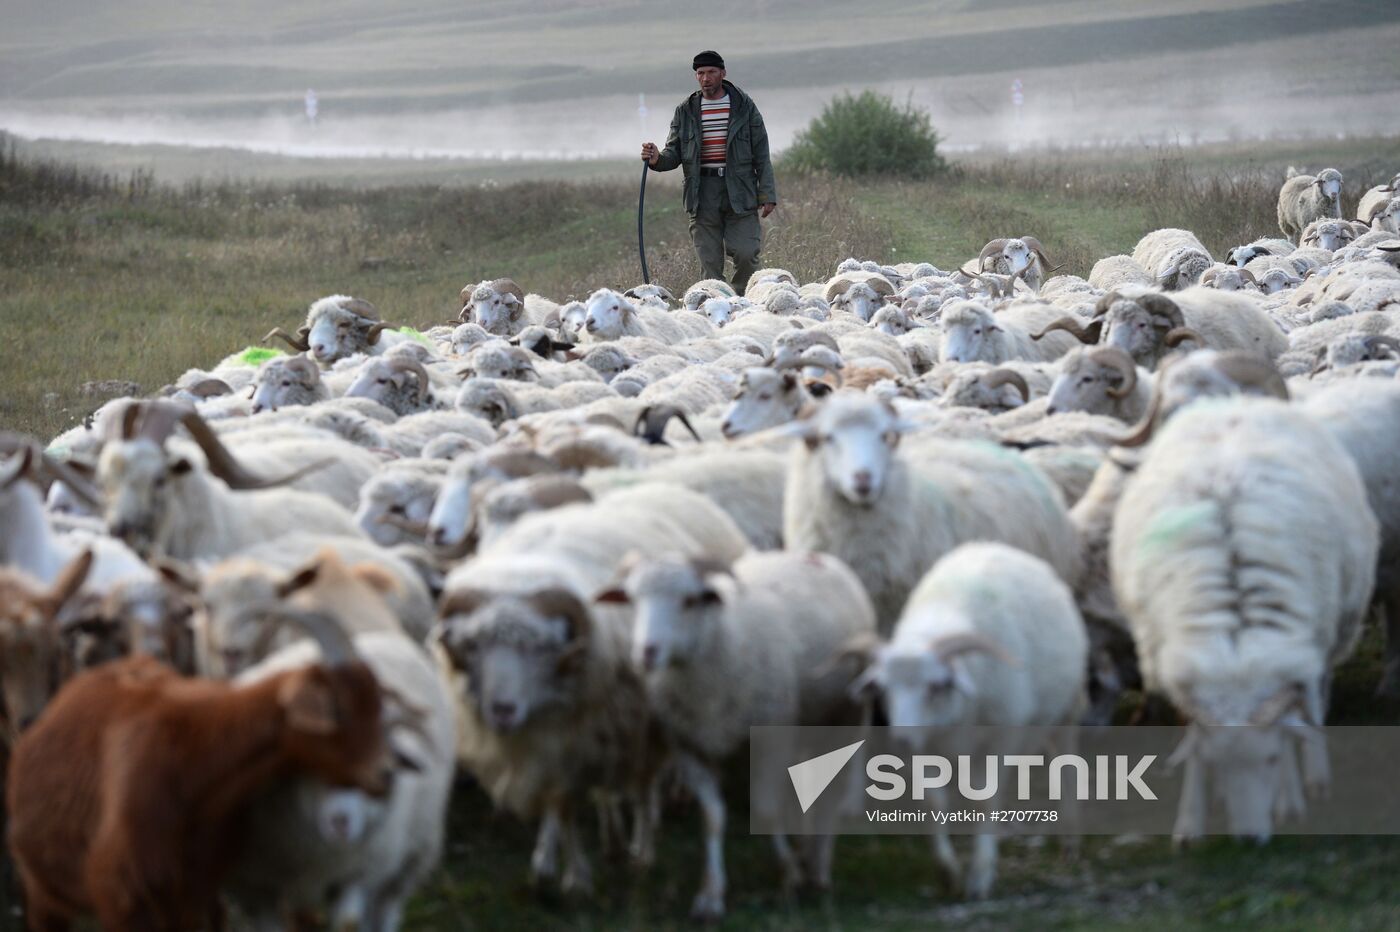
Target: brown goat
x,y
31,666
125,798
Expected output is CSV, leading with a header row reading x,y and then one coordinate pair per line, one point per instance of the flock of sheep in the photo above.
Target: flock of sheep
x,y
251,631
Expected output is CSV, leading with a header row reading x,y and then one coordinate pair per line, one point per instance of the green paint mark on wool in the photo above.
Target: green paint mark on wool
x,y
1169,526
257,355
415,335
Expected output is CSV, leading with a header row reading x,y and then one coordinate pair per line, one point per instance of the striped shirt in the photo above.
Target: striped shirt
x,y
714,130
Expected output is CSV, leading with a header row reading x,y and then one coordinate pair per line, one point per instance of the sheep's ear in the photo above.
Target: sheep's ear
x,y
308,704
181,467
180,575
613,596
789,380
705,597
376,577
300,579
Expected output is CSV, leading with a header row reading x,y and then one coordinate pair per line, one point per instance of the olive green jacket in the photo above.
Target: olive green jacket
x,y
748,170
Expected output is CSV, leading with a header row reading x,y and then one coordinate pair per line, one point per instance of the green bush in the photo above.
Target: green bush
x,y
868,135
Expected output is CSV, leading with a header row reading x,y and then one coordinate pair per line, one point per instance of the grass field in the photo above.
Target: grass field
x,y
121,276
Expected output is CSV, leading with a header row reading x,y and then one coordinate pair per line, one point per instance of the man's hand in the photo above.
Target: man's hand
x,y
765,209
650,153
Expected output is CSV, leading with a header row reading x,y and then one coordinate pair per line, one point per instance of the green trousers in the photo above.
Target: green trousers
x,y
717,231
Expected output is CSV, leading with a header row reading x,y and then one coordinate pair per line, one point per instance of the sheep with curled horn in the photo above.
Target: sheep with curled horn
x,y
1204,374
1356,348
1010,255
338,326
1146,325
861,293
400,383
995,389
160,499
1228,278
1100,380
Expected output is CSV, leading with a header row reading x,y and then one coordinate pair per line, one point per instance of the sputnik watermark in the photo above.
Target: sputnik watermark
x,y
1117,775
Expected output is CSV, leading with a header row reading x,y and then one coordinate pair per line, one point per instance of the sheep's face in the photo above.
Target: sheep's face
x,y
1183,268
465,336
1329,183
1134,330
520,656
1388,217
676,608
718,311
138,484
916,687
232,639
970,390
341,816
855,439
495,312
486,400
861,300
1276,280
1226,279
495,361
1329,234
395,507
287,381
766,398
891,320
1018,256
967,333
607,315
1083,385
450,521
337,333
1253,772
608,361
380,382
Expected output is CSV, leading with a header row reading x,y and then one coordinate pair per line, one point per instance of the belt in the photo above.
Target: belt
x,y
712,170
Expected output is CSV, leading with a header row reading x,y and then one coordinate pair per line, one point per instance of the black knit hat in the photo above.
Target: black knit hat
x,y
707,59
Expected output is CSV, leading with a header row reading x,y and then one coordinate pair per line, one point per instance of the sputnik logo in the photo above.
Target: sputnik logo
x,y
811,777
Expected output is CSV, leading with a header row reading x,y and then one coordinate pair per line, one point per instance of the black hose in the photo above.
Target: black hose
x,y
641,240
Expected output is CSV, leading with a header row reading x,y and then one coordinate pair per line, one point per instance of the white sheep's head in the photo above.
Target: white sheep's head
x,y
1143,327
521,654
860,299
1354,348
892,320
395,505
1329,183
341,326
572,317
1388,217
608,361
678,603
1092,380
1241,256
854,437
991,389
285,381
1277,279
968,328
499,360
399,383
782,302
1257,740
487,400
608,314
1328,234
919,682
342,816
1228,278
1207,373
1182,268
719,311
465,336
496,306
1018,255
766,398
452,518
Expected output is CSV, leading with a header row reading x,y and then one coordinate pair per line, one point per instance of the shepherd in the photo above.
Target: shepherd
x,y
717,137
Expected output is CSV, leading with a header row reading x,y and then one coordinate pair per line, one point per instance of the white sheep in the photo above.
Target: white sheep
x,y
765,398
972,332
1101,380
284,381
338,326
501,308
496,401
1022,254
610,315
764,627
989,637
994,388
1174,258
1240,256
399,383
1243,554
1113,272
1305,198
891,516
1327,233
396,502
